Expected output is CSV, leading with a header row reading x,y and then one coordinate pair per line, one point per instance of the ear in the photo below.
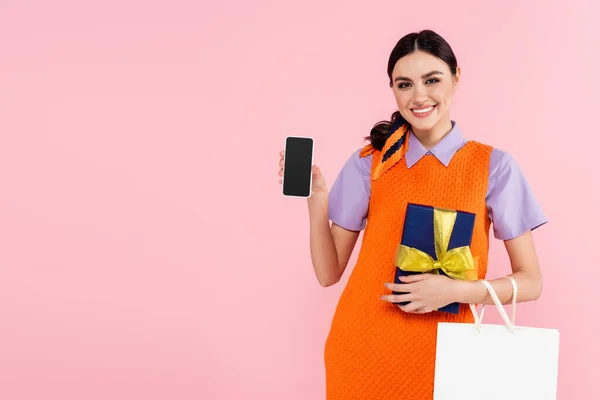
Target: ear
x,y
456,78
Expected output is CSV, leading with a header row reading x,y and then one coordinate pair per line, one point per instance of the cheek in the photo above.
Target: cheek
x,y
402,98
443,96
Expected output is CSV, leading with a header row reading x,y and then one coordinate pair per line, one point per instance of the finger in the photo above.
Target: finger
x,y
399,287
397,298
315,170
281,153
281,172
422,310
280,182
281,162
411,307
413,278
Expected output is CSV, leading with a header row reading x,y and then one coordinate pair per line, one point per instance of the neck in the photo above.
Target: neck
x,y
431,137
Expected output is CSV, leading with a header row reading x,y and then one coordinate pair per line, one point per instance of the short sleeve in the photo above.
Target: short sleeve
x,y
511,203
350,193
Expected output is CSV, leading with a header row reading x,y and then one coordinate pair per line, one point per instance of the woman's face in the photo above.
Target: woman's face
x,y
423,86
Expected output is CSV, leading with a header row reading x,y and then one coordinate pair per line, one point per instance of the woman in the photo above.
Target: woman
x,y
382,345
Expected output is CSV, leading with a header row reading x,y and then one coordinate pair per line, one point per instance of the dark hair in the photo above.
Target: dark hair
x,y
427,41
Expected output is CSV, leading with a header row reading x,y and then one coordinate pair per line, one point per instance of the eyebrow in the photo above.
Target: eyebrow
x,y
427,75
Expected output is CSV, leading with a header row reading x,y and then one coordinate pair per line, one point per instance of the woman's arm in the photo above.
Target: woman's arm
x,y
427,292
526,272
330,245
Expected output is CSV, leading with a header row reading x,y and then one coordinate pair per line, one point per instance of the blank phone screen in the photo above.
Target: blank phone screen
x,y
297,169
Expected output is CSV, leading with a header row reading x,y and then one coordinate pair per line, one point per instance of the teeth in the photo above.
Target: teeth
x,y
425,110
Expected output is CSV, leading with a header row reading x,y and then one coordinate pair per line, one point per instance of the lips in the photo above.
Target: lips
x,y
423,111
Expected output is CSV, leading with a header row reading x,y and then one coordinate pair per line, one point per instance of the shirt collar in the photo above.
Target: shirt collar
x,y
444,150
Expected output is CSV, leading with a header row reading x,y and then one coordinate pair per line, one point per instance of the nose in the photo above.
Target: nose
x,y
420,95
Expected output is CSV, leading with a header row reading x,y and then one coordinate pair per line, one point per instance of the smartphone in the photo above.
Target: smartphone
x,y
297,166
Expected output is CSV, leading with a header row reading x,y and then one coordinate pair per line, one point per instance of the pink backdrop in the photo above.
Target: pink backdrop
x,y
145,248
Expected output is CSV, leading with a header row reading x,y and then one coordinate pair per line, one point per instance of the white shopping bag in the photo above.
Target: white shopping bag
x,y
482,361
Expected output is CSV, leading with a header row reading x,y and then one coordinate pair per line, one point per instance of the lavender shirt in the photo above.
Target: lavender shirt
x,y
511,204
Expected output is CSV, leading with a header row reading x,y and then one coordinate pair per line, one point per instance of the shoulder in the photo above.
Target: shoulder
x,y
361,160
357,168
502,163
512,205
505,175
499,160
478,147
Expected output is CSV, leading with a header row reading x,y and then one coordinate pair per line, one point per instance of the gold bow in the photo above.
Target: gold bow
x,y
457,263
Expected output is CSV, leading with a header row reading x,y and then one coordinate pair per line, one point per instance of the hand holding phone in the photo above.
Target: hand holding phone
x,y
299,177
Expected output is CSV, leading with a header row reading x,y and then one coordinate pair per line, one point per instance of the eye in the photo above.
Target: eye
x,y
403,85
432,80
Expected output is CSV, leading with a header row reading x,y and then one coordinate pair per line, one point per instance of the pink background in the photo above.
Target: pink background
x,y
146,251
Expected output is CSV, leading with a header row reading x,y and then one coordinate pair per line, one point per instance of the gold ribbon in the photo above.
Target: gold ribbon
x,y
457,263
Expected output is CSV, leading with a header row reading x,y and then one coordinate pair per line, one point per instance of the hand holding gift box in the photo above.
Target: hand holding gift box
x,y
436,240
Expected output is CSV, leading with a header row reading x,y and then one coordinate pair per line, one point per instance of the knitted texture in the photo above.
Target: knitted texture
x,y
375,350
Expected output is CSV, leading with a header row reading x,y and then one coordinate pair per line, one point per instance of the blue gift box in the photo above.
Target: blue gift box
x,y
436,240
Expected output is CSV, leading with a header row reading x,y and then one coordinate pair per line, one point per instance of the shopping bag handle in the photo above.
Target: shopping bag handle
x,y
510,323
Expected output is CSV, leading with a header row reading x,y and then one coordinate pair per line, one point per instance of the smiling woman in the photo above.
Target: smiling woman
x,y
382,343
424,75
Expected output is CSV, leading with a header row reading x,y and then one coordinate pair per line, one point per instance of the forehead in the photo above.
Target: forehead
x,y
418,63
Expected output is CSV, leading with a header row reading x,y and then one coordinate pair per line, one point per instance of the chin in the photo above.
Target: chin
x,y
423,125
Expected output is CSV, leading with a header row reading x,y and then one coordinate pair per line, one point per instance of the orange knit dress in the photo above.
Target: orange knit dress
x,y
374,350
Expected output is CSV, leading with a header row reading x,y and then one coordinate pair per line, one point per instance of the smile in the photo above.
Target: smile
x,y
423,112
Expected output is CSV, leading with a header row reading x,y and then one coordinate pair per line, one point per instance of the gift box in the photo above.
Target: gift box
x,y
436,240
